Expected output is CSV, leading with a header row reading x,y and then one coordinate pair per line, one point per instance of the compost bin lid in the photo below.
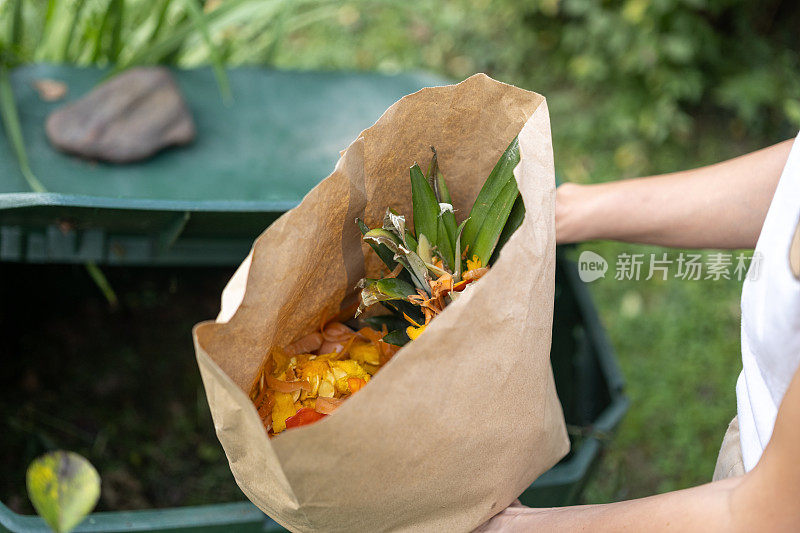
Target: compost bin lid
x,y
251,160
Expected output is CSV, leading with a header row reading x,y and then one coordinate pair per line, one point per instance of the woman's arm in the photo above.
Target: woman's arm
x,y
765,499
718,206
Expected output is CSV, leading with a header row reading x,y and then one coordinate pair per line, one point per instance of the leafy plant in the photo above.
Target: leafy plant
x,y
432,265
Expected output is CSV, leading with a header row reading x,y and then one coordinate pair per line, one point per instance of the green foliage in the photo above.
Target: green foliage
x,y
63,487
128,32
623,78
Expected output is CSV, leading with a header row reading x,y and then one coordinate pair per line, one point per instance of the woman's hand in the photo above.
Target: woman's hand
x,y
718,206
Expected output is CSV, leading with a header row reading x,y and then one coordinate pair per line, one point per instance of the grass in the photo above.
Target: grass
x,y
677,341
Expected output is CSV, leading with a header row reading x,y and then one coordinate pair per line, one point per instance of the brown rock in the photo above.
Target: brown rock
x,y
127,118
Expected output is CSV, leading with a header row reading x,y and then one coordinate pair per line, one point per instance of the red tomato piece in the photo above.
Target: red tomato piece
x,y
303,417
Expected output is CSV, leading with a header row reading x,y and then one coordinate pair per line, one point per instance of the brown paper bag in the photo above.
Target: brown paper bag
x,y
461,420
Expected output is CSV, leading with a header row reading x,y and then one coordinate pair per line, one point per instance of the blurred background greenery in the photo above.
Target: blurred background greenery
x,y
634,87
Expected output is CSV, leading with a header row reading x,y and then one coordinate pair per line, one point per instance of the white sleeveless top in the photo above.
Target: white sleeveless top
x,y
770,318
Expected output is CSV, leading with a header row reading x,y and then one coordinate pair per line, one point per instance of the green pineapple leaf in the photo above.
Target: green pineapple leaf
x,y
384,237
411,242
489,234
383,251
424,250
403,307
446,226
419,271
514,221
457,270
492,206
381,290
392,322
425,205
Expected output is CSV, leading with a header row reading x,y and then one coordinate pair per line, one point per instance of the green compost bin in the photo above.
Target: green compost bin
x,y
589,385
204,205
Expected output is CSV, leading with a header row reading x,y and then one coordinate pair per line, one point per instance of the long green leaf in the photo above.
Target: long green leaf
x,y
175,38
447,226
15,30
48,31
446,222
102,283
457,268
196,12
116,10
514,221
426,208
445,248
411,242
8,111
433,170
160,17
492,196
63,49
110,30
97,49
489,234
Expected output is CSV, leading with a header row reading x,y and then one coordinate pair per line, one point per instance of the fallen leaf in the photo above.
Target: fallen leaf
x,y
64,488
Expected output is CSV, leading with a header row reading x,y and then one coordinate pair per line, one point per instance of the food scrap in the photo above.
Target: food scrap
x,y
430,265
310,378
